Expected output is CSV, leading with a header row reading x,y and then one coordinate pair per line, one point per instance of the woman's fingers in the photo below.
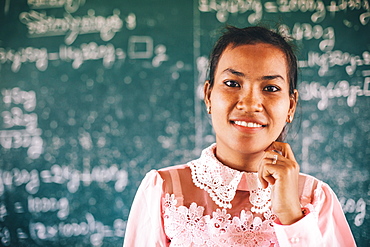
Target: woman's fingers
x,y
277,163
267,168
264,175
282,148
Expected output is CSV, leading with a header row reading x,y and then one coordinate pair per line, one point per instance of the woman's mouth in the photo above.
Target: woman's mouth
x,y
248,124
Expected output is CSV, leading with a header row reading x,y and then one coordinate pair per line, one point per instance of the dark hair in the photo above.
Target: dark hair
x,y
253,35
249,36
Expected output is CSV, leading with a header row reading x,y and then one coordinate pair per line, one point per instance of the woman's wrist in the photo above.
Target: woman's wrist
x,y
289,218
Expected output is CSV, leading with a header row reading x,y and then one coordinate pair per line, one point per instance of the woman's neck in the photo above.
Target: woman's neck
x,y
239,161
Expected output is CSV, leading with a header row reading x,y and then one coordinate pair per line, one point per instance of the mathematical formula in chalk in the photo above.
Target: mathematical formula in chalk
x,y
318,8
140,47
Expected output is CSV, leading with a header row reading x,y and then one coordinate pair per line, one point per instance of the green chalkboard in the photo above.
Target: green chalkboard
x,y
94,94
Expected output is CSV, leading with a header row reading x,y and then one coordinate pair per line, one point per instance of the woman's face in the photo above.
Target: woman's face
x,y
250,101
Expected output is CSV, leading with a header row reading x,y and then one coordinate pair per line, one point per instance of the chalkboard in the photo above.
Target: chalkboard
x,y
94,94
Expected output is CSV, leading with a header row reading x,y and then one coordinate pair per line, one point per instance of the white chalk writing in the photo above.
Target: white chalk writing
x,y
315,90
17,177
23,139
44,205
317,7
25,55
305,31
69,5
224,8
15,95
336,58
5,236
160,55
3,211
349,5
91,51
91,227
96,230
350,206
140,47
63,174
41,25
29,136
101,174
16,117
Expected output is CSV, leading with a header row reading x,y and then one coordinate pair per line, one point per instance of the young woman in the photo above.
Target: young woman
x,y
245,190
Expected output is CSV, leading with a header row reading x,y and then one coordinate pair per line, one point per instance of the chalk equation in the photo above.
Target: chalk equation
x,y
41,25
19,123
331,59
69,5
139,47
318,8
95,231
315,90
57,174
61,207
306,31
224,8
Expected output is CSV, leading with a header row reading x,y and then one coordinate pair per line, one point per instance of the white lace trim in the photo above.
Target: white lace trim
x,y
260,200
188,227
221,182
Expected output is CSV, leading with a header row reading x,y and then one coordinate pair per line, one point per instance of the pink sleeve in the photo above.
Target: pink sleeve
x,y
145,225
325,225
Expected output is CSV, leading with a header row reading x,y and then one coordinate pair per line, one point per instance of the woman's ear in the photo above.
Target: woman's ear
x,y
207,93
293,104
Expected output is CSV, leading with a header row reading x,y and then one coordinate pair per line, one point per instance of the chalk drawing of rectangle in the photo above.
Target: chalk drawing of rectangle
x,y
140,47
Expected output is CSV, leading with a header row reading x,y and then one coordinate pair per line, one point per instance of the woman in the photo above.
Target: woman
x,y
245,190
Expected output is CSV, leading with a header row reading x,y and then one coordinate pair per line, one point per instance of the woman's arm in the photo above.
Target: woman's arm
x,y
145,224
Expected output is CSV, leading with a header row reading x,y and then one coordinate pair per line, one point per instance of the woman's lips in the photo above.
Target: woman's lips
x,y
248,124
248,127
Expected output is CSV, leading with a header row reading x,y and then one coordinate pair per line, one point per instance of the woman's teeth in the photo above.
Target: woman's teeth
x,y
248,124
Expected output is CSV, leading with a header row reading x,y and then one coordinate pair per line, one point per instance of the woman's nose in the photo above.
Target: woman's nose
x,y
250,101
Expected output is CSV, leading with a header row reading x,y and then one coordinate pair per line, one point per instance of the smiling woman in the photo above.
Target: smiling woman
x,y
250,102
246,189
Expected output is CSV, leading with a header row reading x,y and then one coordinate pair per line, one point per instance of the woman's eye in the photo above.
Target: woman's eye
x,y
232,84
271,88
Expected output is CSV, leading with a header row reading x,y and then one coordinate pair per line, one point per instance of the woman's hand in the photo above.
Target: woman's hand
x,y
283,174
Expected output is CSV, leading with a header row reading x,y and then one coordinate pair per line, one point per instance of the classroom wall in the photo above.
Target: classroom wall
x,y
94,94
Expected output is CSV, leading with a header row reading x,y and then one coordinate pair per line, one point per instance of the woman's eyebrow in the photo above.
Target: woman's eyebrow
x,y
234,72
271,77
262,78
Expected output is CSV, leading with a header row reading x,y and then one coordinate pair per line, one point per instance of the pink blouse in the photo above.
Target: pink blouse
x,y
204,203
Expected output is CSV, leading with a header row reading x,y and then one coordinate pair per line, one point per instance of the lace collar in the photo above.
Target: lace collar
x,y
221,182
